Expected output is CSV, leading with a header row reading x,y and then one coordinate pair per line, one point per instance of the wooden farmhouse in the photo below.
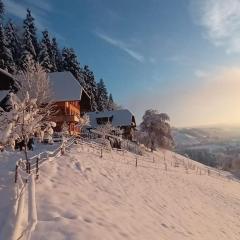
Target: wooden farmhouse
x,y
122,119
70,99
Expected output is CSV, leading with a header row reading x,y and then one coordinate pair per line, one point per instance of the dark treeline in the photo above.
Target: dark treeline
x,y
21,45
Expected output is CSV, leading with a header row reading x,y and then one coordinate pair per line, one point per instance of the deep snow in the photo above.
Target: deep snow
x,y
8,192
83,196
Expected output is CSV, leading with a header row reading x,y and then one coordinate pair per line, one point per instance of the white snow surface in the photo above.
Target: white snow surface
x,y
7,186
82,196
65,86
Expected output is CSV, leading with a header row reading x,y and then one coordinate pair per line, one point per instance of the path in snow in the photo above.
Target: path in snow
x,y
83,196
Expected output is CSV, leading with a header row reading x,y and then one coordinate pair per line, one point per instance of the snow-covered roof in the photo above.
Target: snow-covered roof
x,y
65,86
122,117
3,94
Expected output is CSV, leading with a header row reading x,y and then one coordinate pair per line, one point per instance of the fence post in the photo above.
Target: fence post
x,y
62,150
136,161
165,164
16,173
29,167
26,167
37,167
101,153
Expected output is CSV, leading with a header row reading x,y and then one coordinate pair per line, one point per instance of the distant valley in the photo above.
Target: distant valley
x,y
215,146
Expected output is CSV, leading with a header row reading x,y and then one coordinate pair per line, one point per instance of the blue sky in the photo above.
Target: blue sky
x,y
176,56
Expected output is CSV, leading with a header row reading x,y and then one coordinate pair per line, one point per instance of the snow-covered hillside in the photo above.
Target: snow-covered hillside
x,y
83,196
184,139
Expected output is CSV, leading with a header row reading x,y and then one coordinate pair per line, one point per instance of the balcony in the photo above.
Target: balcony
x,y
67,118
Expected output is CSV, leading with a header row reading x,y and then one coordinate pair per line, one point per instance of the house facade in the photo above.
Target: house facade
x,y
122,119
70,100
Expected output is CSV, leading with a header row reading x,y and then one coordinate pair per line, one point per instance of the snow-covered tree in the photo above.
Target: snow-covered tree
x,y
84,121
102,96
35,81
155,130
47,55
90,86
13,41
47,131
30,111
28,50
111,104
105,129
71,64
29,26
6,59
22,121
44,58
57,55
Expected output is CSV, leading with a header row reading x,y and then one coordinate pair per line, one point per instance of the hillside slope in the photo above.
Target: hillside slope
x,y
83,196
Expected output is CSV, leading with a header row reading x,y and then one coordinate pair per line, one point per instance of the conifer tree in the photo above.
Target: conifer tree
x,y
102,99
13,41
6,59
71,64
28,50
44,58
57,55
90,86
111,104
29,25
46,54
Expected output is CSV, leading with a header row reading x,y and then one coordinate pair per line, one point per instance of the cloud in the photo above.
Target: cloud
x,y
220,20
121,45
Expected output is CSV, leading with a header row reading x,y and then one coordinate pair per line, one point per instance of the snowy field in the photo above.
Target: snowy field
x,y
7,186
83,196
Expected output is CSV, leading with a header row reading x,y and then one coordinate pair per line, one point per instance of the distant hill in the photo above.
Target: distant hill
x,y
205,135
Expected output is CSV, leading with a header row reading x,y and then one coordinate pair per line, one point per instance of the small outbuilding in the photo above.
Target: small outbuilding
x,y
122,119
